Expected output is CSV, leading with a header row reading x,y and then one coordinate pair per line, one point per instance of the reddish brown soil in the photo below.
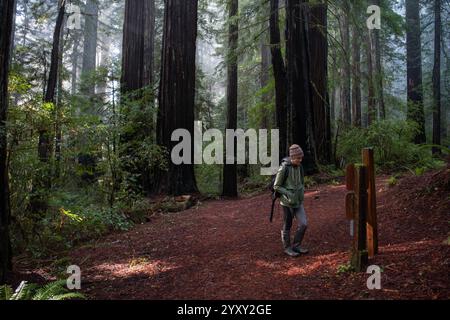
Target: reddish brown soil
x,y
229,250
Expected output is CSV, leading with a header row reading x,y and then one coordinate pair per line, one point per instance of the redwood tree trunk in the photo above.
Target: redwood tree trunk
x,y
90,47
137,74
379,69
6,26
230,170
346,67
42,183
299,95
371,99
416,111
177,90
279,73
437,76
319,77
264,80
138,45
74,58
356,83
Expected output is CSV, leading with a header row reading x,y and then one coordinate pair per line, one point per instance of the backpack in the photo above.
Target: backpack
x,y
276,195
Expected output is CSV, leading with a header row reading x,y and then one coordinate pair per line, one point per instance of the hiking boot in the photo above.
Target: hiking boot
x,y
286,239
300,250
290,252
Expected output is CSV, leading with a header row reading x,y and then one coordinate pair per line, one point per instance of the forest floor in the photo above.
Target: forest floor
x,y
227,249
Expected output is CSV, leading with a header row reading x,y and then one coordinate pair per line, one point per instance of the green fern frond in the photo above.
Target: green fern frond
x,y
53,291
6,292
25,291
50,290
68,296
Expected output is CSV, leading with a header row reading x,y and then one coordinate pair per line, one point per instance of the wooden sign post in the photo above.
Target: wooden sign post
x,y
361,209
356,206
372,229
359,258
350,197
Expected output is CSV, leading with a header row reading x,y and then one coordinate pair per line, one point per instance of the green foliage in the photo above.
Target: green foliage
x,y
56,290
392,143
392,181
345,268
209,179
310,182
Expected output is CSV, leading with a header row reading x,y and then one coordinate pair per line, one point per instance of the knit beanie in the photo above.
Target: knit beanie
x,y
295,150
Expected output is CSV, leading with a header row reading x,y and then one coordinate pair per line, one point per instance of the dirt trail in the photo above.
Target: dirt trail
x,y
229,250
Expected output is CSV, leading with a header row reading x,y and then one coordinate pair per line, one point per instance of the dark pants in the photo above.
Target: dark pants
x,y
302,225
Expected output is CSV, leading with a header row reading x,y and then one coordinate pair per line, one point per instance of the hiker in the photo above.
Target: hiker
x,y
290,186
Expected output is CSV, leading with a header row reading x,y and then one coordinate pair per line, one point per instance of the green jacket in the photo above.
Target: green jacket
x,y
292,190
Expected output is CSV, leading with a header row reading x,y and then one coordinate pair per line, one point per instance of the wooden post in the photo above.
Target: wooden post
x,y
350,197
372,228
359,252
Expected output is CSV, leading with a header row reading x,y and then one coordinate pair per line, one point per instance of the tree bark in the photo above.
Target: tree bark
x,y
74,58
437,77
279,73
379,70
264,79
230,170
416,111
137,74
58,107
6,26
371,99
42,183
138,45
319,79
90,47
177,90
356,74
346,66
299,95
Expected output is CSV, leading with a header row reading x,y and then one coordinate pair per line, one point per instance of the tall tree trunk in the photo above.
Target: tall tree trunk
x,y
137,74
58,107
88,160
6,25
264,79
279,73
26,22
379,69
102,89
149,41
74,58
416,111
138,45
42,183
319,77
230,170
333,75
90,48
356,75
346,66
177,90
371,99
299,97
437,76
13,33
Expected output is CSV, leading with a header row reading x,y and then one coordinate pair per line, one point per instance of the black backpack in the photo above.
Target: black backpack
x,y
276,195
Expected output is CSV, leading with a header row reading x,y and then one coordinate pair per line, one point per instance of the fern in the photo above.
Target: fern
x,y
24,291
5,292
53,291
